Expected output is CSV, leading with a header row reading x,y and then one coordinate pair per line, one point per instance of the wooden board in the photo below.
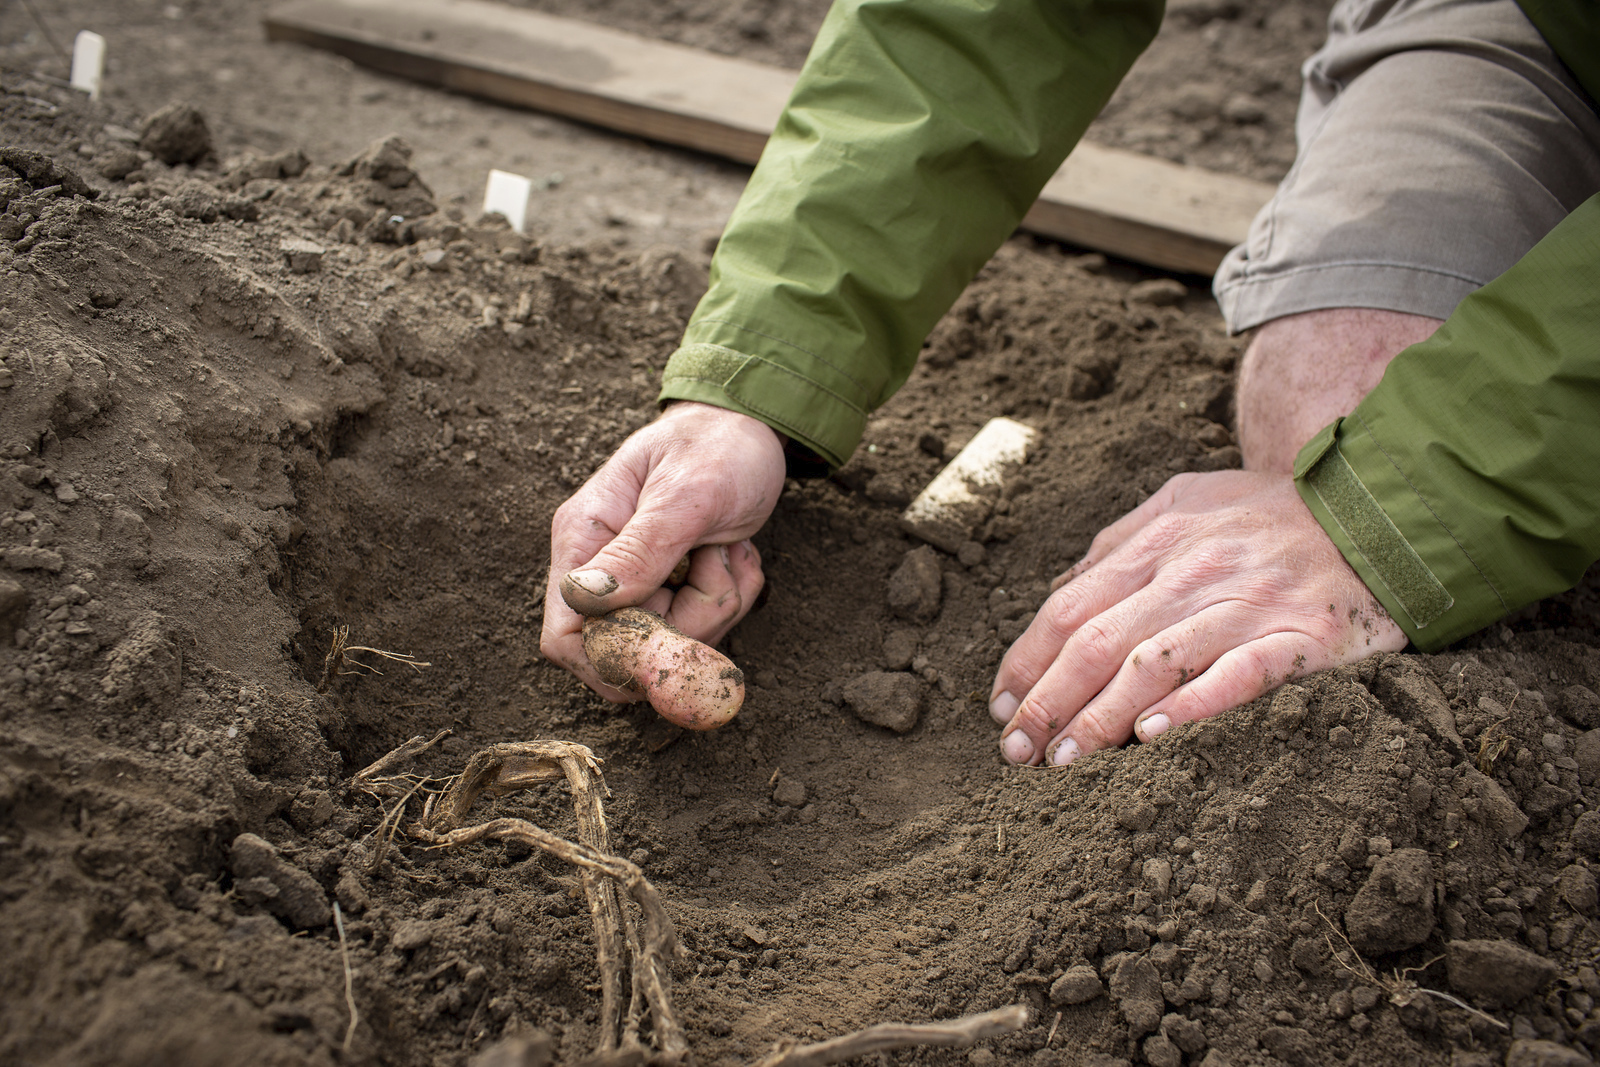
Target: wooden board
x,y
1126,204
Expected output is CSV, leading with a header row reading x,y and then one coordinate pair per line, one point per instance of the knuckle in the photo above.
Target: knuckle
x,y
1154,660
1038,720
729,607
629,553
1177,483
1057,618
1098,643
1094,729
1242,676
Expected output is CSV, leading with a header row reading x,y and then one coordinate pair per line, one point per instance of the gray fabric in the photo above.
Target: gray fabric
x,y
1439,141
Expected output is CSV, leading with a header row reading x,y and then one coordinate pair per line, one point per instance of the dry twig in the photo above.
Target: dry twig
x,y
368,777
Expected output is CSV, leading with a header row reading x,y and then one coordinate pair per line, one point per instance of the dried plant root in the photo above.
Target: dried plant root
x,y
1403,990
507,768
339,661
886,1036
368,778
658,944
645,948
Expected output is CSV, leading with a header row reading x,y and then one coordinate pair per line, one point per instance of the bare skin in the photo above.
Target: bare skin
x,y
1218,588
1303,371
1221,586
698,481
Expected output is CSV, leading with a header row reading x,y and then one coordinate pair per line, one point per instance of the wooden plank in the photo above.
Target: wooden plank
x,y
1119,202
1146,209
666,92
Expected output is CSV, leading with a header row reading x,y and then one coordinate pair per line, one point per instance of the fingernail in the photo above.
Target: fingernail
x,y
594,582
1003,708
1154,726
1065,753
1016,747
727,563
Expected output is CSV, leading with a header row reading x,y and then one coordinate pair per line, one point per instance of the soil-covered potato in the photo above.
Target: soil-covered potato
x,y
687,681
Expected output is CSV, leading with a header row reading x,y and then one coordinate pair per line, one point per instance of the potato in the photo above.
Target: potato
x,y
686,681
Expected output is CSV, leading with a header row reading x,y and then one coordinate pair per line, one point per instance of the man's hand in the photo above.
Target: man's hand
x,y
698,481
1213,591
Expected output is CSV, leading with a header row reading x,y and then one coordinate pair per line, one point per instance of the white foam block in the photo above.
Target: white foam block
x,y
507,193
88,62
961,496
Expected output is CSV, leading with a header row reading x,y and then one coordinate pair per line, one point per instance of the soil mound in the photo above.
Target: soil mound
x,y
245,402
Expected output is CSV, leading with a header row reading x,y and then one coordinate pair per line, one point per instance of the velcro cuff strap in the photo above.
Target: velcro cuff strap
x,y
711,364
1413,585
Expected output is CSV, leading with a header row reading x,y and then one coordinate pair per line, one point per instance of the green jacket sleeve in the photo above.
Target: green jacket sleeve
x,y
918,135
1467,484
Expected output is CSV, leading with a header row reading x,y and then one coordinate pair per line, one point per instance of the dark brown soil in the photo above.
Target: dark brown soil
x,y
209,460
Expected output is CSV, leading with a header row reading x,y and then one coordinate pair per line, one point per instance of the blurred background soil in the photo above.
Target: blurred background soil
x,y
217,445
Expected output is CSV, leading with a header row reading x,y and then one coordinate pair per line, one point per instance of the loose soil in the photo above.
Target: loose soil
x,y
217,446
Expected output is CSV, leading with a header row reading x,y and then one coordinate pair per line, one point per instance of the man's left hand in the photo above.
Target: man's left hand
x,y
1215,590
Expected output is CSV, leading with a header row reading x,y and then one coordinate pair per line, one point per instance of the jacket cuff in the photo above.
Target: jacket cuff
x,y
1393,540
808,412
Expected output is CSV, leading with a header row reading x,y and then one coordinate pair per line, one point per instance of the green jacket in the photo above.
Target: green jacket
x,y
919,134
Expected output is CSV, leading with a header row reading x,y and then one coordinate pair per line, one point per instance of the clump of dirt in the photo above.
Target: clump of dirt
x,y
225,434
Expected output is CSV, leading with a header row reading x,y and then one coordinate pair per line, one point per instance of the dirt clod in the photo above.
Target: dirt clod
x,y
294,895
892,699
178,133
1496,972
1393,910
916,585
1532,1052
1135,986
14,602
1077,985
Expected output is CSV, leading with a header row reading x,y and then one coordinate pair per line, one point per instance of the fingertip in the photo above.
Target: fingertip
x,y
1003,707
586,590
1152,726
1017,747
1064,753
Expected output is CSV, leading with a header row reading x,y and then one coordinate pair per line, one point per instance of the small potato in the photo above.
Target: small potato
x,y
686,681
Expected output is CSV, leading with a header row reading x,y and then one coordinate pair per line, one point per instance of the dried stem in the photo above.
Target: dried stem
x,y
386,829
44,28
349,980
881,1038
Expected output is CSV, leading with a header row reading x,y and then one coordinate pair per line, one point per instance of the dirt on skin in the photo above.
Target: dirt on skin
x,y
218,444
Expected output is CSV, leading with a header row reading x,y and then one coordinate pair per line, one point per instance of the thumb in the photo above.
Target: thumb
x,y
624,573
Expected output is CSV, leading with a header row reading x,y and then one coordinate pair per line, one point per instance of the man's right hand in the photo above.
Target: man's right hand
x,y
698,481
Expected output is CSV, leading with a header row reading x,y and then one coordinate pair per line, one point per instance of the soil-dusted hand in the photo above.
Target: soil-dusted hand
x,y
698,481
687,682
1216,589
